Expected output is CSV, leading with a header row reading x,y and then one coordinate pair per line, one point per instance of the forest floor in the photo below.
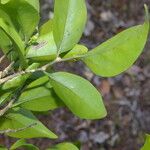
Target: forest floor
x,y
127,96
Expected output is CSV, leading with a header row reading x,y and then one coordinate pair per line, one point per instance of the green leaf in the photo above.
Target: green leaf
x,y
79,95
38,82
39,99
20,79
33,66
4,97
15,82
25,15
4,1
13,35
21,119
76,51
27,23
5,16
44,50
8,27
147,143
22,144
47,27
34,3
5,43
69,25
119,53
64,146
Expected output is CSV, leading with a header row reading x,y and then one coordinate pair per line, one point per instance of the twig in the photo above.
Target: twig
x,y
10,104
43,68
3,111
2,58
17,130
6,71
3,80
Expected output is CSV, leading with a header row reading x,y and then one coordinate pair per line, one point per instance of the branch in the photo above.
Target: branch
x,y
6,71
5,56
2,58
3,80
17,130
3,111
43,68
10,104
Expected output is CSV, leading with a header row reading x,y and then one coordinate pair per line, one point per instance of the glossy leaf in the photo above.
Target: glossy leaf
x,y
25,15
147,143
44,50
21,119
39,99
79,95
119,53
69,22
22,144
76,51
64,146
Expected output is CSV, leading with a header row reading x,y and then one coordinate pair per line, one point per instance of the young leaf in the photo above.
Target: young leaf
x,y
119,53
64,146
21,120
79,95
22,144
39,99
69,25
76,51
44,50
147,143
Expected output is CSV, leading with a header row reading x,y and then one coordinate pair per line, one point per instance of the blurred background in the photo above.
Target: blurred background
x,y
127,96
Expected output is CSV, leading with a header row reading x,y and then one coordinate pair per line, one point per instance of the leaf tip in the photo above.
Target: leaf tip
x,y
146,13
53,136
